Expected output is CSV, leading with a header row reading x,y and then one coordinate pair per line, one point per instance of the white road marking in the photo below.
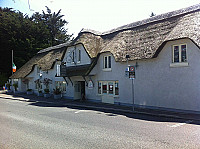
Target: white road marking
x,y
79,111
181,124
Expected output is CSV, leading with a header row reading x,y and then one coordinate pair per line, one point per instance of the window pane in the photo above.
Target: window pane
x,y
63,86
183,53
176,53
109,61
116,88
104,86
73,56
105,61
99,88
110,87
79,55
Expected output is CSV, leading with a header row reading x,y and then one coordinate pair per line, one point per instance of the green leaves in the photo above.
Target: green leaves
x,y
27,35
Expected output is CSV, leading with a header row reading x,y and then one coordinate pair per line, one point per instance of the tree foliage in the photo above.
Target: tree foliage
x,y
55,24
27,35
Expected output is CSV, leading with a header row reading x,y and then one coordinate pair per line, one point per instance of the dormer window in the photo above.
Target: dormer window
x,y
107,62
179,56
179,53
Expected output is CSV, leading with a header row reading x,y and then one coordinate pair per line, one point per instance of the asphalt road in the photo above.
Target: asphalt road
x,y
25,125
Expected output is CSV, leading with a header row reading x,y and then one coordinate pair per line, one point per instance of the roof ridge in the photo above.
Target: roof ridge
x,y
147,21
53,47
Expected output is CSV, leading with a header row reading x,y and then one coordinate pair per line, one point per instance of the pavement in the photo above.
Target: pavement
x,y
99,106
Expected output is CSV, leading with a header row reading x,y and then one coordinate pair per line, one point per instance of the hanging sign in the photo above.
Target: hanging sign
x,y
90,84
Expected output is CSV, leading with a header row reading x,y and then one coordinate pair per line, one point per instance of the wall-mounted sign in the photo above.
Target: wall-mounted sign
x,y
90,84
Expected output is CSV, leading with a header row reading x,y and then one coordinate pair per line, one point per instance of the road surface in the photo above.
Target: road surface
x,y
25,125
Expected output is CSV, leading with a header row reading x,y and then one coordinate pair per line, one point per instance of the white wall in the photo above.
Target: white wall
x,y
45,74
160,85
117,73
85,59
156,84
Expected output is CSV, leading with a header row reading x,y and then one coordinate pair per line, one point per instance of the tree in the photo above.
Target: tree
x,y
55,24
23,36
27,35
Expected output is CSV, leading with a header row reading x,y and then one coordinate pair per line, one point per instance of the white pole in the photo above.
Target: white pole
x,y
12,62
12,71
133,94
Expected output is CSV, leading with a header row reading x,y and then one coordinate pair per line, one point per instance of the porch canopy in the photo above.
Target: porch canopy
x,y
81,70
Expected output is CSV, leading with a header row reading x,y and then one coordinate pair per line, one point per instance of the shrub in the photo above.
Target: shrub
x,y
15,86
46,90
57,91
29,90
8,85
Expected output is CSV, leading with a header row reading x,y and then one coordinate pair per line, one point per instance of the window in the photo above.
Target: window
x,y
179,53
73,56
38,70
61,85
107,62
108,87
38,86
79,56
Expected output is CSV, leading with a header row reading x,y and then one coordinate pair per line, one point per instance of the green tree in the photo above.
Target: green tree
x,y
27,35
55,24
20,34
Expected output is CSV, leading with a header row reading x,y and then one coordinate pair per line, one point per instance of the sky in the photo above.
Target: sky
x,y
99,15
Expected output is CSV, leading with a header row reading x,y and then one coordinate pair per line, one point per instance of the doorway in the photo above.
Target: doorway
x,y
79,89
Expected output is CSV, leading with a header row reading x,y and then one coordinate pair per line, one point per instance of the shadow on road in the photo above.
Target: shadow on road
x,y
112,113
42,102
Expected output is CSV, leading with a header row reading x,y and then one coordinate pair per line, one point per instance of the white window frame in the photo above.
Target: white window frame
x,y
104,61
107,83
58,84
180,63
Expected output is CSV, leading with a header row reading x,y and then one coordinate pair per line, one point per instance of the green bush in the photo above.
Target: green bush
x,y
46,90
29,90
57,91
15,86
8,86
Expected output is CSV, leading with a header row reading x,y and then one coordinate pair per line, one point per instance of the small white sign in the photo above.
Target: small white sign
x,y
90,84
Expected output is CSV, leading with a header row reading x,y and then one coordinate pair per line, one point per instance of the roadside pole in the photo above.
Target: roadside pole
x,y
12,71
132,77
133,93
130,72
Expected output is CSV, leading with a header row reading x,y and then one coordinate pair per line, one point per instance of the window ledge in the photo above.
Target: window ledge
x,y
184,64
108,95
107,69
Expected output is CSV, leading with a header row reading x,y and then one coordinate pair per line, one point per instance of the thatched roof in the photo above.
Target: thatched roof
x,y
45,60
143,39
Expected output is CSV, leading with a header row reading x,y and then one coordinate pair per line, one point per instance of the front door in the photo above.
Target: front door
x,y
79,89
108,92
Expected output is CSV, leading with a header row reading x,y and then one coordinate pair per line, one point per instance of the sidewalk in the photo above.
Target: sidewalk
x,y
100,106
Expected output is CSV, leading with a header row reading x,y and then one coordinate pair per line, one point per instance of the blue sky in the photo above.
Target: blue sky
x,y
99,15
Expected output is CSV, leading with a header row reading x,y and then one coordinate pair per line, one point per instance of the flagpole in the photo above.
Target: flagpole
x,y
12,71
12,62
